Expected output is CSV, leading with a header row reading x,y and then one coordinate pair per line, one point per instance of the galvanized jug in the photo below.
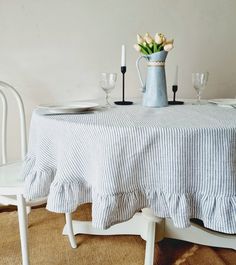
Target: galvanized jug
x,y
154,89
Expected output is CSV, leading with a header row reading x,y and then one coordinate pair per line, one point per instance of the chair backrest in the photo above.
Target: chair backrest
x,y
21,109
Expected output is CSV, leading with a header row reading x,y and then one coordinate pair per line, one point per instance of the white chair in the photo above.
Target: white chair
x,y
70,231
11,187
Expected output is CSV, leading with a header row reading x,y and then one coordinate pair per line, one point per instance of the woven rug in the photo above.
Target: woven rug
x,y
49,247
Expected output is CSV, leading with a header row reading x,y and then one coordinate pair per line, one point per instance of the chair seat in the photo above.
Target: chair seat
x,y
10,182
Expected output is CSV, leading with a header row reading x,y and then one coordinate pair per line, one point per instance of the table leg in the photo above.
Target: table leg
x,y
135,226
150,244
139,225
152,235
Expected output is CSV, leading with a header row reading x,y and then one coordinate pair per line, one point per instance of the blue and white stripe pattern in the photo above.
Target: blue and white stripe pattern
x,y
180,161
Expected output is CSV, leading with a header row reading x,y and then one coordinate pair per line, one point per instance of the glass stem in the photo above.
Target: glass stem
x,y
199,98
107,97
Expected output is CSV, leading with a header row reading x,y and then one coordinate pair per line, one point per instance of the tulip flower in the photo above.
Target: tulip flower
x,y
137,47
168,47
169,41
159,38
163,38
140,39
148,38
149,45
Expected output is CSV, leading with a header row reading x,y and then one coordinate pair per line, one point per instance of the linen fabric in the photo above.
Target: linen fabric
x,y
179,161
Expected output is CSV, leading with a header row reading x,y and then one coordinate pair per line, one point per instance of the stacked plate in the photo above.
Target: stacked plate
x,y
68,108
224,102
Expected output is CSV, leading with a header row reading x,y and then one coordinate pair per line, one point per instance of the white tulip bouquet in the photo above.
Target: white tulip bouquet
x,y
149,45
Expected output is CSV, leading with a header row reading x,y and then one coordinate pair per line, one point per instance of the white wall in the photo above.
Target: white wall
x,y
54,50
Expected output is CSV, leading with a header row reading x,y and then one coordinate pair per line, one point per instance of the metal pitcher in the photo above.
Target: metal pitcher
x,y
154,89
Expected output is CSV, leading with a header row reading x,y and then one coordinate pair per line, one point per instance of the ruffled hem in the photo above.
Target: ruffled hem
x,y
37,182
216,212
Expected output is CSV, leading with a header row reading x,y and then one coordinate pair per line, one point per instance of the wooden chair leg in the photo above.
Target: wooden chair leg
x,y
22,217
70,232
150,243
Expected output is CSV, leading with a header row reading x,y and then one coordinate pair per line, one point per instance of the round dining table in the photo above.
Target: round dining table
x,y
178,161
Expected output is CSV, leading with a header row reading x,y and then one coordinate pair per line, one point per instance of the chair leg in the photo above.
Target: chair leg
x,y
70,232
150,244
28,209
22,217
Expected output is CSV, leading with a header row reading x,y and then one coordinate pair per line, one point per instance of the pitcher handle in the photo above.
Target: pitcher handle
x,y
139,74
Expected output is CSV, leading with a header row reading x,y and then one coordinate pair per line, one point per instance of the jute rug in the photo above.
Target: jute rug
x,y
49,247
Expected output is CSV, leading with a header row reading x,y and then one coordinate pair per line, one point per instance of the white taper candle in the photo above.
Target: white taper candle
x,y
123,59
176,76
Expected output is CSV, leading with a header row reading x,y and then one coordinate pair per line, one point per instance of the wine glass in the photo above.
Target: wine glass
x,y
107,83
199,81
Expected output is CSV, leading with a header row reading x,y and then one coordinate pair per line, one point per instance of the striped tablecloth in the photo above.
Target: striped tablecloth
x,y
179,161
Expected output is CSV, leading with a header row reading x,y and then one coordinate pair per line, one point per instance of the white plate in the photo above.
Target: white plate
x,y
224,102
75,107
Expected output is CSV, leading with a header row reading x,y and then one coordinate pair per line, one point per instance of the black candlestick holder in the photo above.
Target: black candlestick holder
x,y
174,102
123,102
